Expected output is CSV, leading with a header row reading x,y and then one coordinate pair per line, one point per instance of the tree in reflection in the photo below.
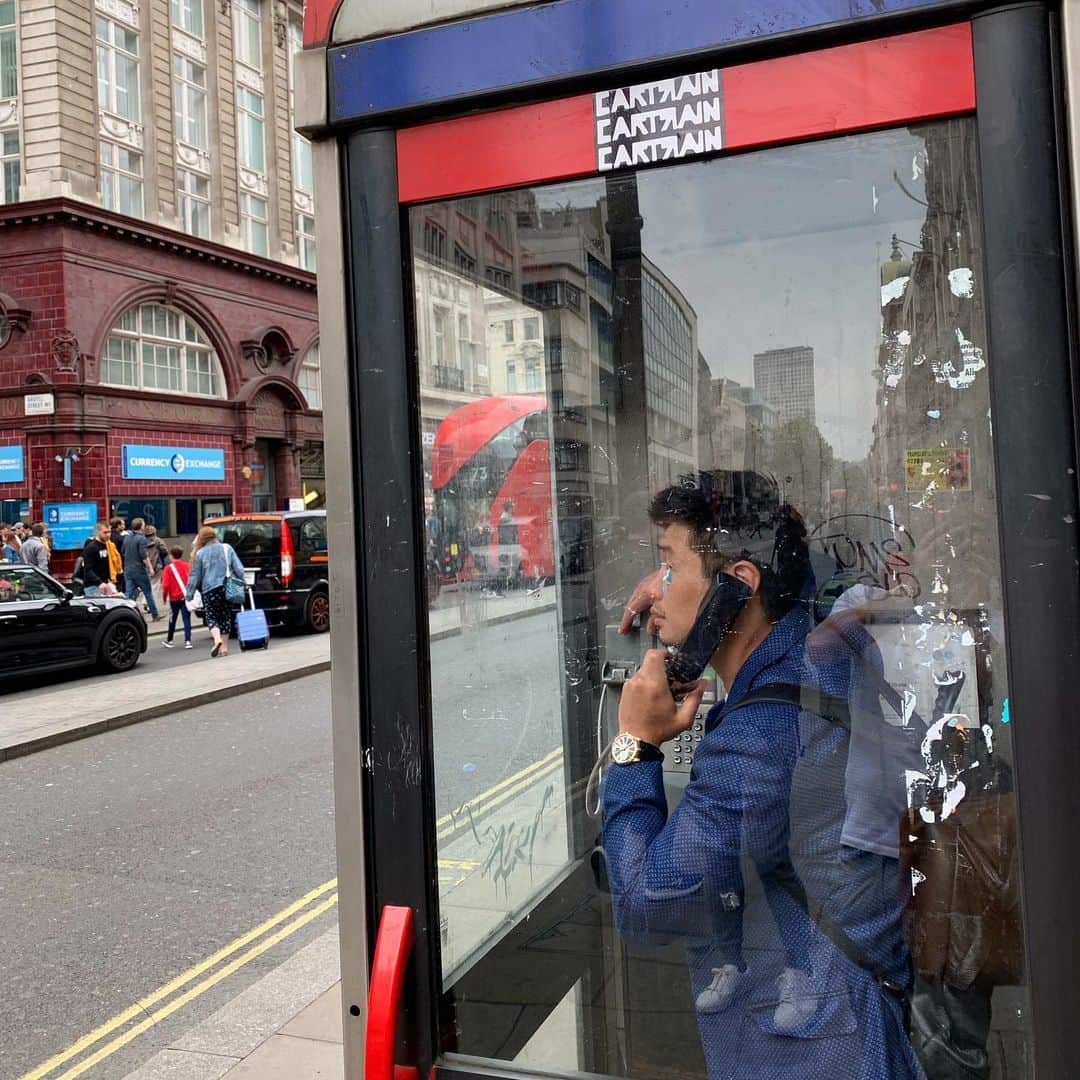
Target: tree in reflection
x,y
802,460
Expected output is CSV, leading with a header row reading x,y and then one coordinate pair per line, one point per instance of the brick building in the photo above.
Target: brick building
x,y
158,330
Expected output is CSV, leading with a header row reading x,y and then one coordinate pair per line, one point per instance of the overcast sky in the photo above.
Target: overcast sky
x,y
783,247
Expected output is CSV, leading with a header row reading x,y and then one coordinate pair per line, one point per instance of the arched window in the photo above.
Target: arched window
x,y
153,347
311,378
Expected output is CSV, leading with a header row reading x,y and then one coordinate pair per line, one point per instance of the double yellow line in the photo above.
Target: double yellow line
x,y
167,999
499,794
208,974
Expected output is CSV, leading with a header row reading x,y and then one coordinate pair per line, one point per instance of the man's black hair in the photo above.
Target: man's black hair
x,y
781,586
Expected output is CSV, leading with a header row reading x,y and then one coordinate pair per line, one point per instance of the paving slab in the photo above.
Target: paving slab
x,y
286,1057
320,1020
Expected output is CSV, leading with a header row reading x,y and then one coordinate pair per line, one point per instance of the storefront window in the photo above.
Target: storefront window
x,y
154,347
775,367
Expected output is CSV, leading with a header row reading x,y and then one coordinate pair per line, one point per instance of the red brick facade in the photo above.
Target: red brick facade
x,y
67,274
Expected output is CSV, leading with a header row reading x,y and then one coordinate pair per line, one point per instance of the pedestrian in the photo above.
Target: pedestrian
x,y
117,532
9,545
96,570
137,568
214,562
158,552
174,580
35,552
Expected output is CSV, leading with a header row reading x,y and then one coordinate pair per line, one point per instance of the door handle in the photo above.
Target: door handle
x,y
392,948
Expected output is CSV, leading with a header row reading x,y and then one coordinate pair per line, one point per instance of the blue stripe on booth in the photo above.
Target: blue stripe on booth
x,y
559,40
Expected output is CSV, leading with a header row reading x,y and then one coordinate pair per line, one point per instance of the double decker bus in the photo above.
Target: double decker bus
x,y
491,477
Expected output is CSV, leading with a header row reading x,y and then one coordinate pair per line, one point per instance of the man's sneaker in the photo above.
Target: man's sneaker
x,y
718,994
168,645
798,1000
188,645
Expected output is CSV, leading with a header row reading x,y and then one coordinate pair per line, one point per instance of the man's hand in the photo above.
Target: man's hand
x,y
647,708
640,603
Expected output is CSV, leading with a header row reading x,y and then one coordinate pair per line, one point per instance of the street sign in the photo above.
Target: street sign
x,y
39,404
172,463
12,465
70,525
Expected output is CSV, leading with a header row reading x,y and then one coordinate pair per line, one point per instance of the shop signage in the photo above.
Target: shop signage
x,y
172,463
39,404
70,525
12,467
153,511
658,121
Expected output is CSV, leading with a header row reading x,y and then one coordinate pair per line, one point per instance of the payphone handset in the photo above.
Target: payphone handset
x,y
723,603
687,663
623,654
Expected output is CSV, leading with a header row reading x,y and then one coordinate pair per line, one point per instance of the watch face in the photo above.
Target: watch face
x,y
624,749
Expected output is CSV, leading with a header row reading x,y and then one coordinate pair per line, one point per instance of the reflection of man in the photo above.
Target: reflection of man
x,y
761,820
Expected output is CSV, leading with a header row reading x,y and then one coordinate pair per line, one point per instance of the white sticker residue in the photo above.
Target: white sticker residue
x,y
962,282
917,878
972,362
894,290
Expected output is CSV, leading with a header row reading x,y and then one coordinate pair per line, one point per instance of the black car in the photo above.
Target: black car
x,y
286,553
45,627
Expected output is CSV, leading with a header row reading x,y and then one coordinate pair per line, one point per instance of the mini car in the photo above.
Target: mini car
x,y
46,627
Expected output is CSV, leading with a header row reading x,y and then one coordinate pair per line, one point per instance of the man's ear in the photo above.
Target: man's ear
x,y
748,573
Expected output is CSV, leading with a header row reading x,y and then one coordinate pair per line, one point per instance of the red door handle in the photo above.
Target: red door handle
x,y
392,948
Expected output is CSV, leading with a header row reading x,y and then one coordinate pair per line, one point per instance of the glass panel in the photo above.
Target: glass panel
x,y
768,373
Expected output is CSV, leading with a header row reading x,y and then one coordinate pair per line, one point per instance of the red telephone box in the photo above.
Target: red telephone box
x,y
811,262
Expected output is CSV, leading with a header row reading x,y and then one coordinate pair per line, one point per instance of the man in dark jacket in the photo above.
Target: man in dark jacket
x,y
95,556
117,533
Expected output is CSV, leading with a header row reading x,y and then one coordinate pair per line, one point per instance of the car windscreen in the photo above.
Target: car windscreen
x,y
251,539
24,583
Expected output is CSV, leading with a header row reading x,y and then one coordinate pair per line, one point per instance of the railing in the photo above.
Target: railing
x,y
443,377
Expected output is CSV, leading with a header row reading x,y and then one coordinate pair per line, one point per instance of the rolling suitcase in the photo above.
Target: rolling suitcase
x,y
252,630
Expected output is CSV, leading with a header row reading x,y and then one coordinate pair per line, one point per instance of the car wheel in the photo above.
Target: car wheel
x,y
317,614
121,646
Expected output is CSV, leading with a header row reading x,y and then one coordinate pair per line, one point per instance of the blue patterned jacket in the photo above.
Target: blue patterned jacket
x,y
767,792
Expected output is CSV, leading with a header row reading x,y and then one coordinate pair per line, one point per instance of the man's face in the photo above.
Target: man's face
x,y
680,585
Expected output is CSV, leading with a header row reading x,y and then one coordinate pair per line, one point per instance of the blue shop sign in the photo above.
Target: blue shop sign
x,y
12,465
172,463
70,524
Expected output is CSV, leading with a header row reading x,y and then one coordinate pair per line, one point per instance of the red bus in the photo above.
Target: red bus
x,y
491,477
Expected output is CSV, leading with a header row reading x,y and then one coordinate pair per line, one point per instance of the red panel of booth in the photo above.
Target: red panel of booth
x,y
870,84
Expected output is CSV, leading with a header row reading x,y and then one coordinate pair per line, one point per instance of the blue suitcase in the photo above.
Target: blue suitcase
x,y
252,629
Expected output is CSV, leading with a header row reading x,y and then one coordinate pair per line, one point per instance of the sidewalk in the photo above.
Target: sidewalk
x,y
96,703
285,1026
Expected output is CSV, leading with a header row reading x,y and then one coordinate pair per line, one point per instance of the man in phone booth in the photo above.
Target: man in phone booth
x,y
797,956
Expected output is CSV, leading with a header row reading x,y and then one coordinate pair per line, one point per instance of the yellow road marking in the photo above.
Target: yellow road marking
x,y
199,988
144,1004
448,823
493,797
518,788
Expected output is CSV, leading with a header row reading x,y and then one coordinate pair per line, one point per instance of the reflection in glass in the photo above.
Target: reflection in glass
x,y
794,339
